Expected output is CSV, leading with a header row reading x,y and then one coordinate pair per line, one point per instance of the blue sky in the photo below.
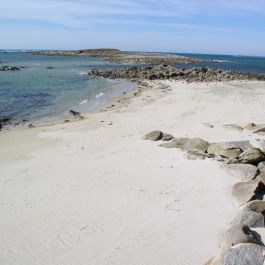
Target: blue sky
x,y
195,26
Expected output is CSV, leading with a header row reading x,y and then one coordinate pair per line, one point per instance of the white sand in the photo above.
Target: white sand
x,y
92,193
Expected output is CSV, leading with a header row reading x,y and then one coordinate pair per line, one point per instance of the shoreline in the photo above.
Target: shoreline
x,y
120,197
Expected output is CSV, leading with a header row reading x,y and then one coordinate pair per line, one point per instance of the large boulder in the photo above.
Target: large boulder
x,y
258,143
237,234
252,215
251,156
244,172
154,136
245,254
243,192
225,150
196,144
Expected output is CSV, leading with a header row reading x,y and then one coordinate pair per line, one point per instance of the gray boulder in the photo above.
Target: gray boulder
x,y
252,215
237,234
224,150
244,192
245,254
244,172
258,143
251,156
196,144
154,136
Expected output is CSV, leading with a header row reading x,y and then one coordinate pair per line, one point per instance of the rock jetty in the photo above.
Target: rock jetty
x,y
163,72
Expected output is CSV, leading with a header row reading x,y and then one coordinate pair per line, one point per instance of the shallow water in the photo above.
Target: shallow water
x,y
50,86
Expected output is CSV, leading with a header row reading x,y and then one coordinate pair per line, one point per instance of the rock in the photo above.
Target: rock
x,y
154,136
237,234
196,144
244,192
194,155
259,129
161,72
167,137
245,254
233,127
31,126
261,166
76,114
242,144
224,150
244,172
175,143
251,156
249,126
252,215
258,143
9,68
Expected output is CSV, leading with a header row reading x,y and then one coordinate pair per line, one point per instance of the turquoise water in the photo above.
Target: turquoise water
x,y
37,92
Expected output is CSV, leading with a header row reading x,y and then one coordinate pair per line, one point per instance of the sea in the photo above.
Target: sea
x,y
47,87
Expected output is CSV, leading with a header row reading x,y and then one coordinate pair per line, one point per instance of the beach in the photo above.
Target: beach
x,y
95,192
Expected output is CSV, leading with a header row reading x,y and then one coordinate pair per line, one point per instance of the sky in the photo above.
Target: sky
x,y
184,26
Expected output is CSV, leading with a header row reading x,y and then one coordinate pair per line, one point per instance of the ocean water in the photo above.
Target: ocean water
x,y
37,92
229,62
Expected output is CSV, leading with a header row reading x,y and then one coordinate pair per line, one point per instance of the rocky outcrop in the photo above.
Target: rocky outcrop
x,y
9,68
163,72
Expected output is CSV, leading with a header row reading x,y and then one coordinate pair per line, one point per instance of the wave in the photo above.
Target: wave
x,y
82,73
83,102
99,95
222,61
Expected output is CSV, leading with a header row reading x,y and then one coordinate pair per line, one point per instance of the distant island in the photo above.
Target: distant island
x,y
116,56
